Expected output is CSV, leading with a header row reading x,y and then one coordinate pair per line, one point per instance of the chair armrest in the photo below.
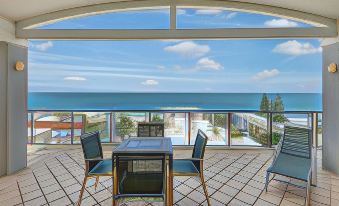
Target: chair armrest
x,y
193,159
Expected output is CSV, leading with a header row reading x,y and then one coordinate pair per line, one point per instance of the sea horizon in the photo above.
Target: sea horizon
x,y
167,101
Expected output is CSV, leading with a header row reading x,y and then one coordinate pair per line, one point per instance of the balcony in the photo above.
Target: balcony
x,y
175,64
234,177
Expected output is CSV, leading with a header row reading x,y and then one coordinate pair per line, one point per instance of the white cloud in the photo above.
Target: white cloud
x,y
208,64
181,11
43,46
266,74
150,82
161,67
171,40
280,23
231,15
295,48
208,11
188,49
74,78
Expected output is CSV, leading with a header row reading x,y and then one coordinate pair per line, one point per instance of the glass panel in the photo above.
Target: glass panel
x,y
193,18
135,19
280,120
126,124
320,130
29,128
175,127
213,125
249,129
91,122
52,127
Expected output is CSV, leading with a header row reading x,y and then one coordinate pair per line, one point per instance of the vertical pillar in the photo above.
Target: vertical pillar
x,y
13,108
330,81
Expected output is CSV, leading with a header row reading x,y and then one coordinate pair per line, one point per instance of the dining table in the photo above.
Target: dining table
x,y
140,150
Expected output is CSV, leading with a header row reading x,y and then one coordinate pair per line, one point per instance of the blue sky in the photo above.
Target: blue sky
x,y
280,65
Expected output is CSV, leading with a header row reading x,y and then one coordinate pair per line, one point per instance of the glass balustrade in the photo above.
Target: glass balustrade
x,y
222,128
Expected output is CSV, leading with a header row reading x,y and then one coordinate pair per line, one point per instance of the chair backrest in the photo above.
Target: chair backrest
x,y
199,145
297,141
91,145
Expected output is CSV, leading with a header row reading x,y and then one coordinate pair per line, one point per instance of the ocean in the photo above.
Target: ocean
x,y
44,101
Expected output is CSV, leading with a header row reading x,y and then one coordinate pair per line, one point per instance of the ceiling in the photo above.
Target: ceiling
x,y
16,10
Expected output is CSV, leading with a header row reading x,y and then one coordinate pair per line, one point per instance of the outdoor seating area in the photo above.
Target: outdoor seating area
x,y
234,177
169,103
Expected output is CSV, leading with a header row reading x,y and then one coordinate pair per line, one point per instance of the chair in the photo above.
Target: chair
x,y
193,166
95,165
293,157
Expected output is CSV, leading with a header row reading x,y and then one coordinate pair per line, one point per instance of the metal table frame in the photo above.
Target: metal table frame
x,y
165,153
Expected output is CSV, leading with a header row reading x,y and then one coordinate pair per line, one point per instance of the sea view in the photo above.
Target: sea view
x,y
117,115
168,101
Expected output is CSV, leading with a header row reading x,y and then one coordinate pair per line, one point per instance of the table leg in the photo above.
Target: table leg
x,y
165,168
115,181
170,181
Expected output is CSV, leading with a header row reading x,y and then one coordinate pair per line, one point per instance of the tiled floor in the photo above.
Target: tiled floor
x,y
233,177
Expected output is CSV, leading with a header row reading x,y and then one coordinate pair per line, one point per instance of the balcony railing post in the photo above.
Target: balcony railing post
x,y
314,127
72,127
110,127
229,128
32,127
189,127
269,128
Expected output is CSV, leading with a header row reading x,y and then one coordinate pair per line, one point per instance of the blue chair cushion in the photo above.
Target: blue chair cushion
x,y
104,167
291,166
184,167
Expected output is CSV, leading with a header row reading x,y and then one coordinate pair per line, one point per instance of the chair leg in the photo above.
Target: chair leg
x,y
96,183
308,191
205,189
82,190
267,180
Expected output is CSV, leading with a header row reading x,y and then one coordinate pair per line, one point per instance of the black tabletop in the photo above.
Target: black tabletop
x,y
145,146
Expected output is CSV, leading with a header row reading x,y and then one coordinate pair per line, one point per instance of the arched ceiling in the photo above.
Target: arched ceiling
x,y
15,10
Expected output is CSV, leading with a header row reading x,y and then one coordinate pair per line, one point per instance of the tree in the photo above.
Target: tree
x,y
265,104
219,120
126,126
235,132
216,132
157,118
278,106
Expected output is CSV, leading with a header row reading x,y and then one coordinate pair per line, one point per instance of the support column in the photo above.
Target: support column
x,y
13,101
330,151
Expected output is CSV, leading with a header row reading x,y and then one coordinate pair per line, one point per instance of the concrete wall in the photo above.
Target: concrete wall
x,y
330,109
13,109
